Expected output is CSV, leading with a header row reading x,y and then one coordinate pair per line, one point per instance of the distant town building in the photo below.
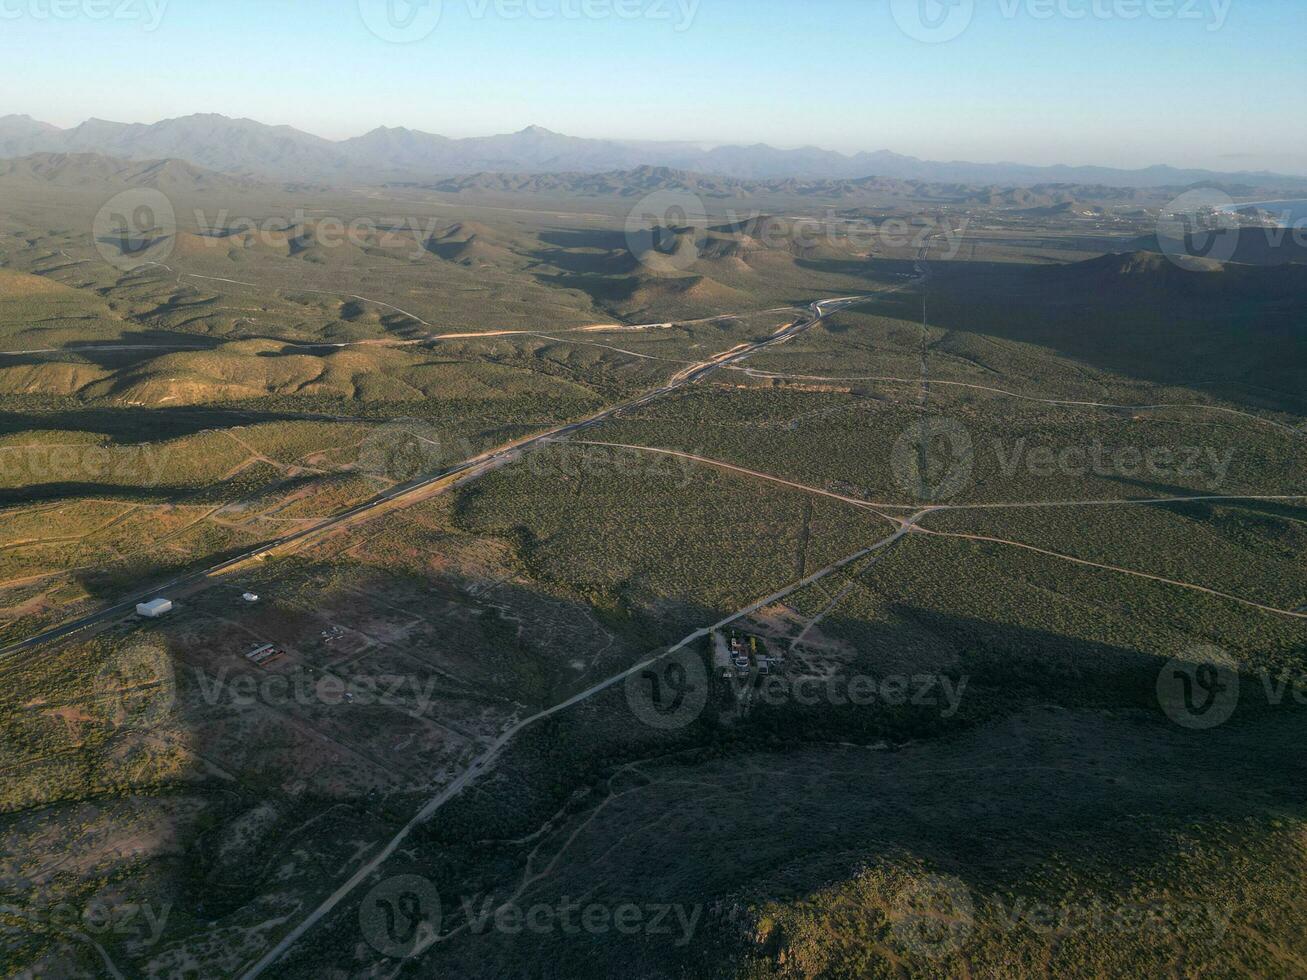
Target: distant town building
x,y
250,597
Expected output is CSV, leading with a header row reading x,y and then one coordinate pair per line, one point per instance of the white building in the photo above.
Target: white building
x,y
154,608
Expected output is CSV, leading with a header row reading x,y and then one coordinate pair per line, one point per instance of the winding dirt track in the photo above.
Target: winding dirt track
x,y
1113,568
1067,402
484,762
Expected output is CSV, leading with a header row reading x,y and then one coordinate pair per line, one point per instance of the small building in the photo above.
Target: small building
x,y
263,654
721,654
250,597
154,608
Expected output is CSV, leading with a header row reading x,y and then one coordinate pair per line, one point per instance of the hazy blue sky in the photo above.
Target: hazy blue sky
x,y
1192,82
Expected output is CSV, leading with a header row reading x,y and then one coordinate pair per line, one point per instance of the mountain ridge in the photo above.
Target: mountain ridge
x,y
72,170
247,146
85,170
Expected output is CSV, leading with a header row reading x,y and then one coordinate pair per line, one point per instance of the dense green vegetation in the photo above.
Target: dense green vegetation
x,y
153,422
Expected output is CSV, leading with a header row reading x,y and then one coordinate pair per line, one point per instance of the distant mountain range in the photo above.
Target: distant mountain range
x,y
247,147
96,171
99,173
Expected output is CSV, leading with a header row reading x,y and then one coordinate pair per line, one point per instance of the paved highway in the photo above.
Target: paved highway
x,y
455,475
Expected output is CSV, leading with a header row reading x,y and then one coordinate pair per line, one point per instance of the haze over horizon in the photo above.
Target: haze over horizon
x,y
1234,161
701,71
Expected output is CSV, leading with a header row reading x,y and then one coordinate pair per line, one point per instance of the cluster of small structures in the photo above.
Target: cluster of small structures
x,y
156,608
742,656
334,633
